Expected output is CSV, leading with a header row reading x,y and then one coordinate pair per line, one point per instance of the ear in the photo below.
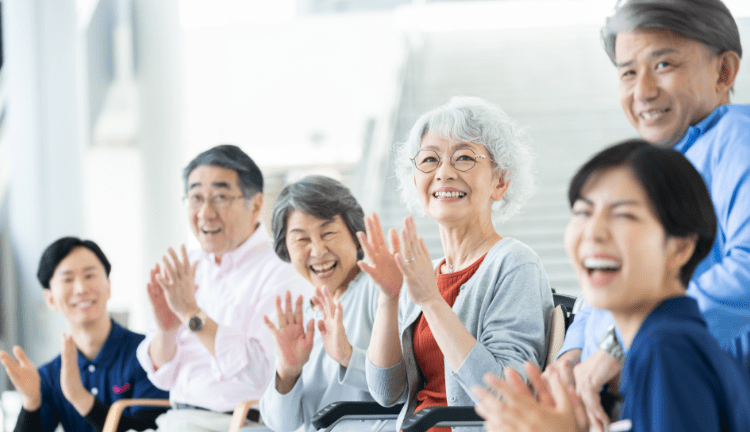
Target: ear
x,y
499,187
681,250
256,203
108,290
49,300
728,67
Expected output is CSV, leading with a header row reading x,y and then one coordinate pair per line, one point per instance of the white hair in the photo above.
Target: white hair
x,y
473,120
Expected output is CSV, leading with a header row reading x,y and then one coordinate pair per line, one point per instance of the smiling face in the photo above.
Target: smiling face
x,y
450,196
221,229
322,251
667,83
79,289
619,250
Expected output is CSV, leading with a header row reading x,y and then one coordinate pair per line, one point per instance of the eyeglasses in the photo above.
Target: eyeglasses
x,y
219,202
462,159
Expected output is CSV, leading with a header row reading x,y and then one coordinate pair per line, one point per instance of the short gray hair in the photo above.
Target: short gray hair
x,y
474,120
321,197
230,157
707,21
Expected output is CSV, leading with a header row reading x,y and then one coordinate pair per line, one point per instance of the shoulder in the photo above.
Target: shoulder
x,y
510,257
731,131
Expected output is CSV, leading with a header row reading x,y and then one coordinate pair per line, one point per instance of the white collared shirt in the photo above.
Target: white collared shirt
x,y
235,294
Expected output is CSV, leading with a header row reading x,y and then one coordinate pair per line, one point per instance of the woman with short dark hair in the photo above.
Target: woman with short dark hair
x,y
642,220
315,221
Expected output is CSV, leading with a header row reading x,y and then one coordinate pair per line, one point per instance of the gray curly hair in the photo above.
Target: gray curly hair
x,y
471,119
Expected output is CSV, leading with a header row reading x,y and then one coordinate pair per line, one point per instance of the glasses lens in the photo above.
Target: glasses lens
x,y
426,160
464,159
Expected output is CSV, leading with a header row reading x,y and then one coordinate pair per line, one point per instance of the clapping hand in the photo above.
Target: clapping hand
x,y
165,318
380,261
177,283
293,342
331,327
70,378
24,376
414,263
516,409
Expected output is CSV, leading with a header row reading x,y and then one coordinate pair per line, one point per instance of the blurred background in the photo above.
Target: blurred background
x,y
103,102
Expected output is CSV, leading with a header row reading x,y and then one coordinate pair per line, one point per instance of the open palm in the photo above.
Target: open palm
x,y
293,341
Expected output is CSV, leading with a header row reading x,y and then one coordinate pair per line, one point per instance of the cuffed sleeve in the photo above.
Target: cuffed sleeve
x,y
283,412
164,377
355,374
387,385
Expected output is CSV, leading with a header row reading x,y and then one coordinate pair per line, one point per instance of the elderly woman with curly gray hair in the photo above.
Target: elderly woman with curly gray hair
x,y
487,304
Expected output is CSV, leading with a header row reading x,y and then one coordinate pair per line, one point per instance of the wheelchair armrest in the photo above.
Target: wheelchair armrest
x,y
115,411
442,416
334,411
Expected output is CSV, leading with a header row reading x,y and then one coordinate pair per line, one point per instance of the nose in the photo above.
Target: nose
x,y
206,210
445,169
319,248
79,286
646,87
596,228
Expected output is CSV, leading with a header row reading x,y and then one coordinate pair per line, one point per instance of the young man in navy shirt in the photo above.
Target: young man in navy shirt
x,y
97,365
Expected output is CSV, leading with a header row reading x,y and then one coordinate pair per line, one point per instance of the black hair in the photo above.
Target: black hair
x,y
676,191
230,157
323,198
59,250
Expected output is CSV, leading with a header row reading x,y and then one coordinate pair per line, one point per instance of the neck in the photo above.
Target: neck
x,y
336,293
630,321
89,338
463,244
218,257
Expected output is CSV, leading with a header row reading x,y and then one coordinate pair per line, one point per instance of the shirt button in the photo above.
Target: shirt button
x,y
92,368
94,391
453,398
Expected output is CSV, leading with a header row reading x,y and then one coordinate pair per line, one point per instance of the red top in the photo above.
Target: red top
x,y
426,351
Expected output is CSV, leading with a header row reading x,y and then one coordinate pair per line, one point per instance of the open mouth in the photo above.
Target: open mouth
x,y
323,268
653,114
449,194
208,231
603,266
83,304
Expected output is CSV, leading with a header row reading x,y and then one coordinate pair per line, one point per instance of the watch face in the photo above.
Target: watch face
x,y
195,324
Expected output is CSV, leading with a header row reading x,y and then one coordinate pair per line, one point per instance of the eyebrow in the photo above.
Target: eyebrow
x,y
88,268
219,184
657,53
300,230
614,204
458,146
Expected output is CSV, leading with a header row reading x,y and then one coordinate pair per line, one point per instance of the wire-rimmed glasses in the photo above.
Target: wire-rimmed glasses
x,y
462,159
218,201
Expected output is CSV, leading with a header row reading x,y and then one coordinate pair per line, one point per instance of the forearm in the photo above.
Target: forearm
x,y
207,335
29,421
450,334
286,379
385,348
162,348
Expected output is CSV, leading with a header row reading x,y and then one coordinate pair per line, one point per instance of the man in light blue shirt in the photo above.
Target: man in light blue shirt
x,y
677,61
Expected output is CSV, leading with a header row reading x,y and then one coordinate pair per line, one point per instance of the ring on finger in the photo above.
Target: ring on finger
x,y
410,260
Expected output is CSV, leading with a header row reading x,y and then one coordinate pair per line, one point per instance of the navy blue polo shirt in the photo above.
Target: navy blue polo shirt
x,y
677,378
112,375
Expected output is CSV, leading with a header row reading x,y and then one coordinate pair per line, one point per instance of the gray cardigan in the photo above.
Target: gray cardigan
x,y
506,306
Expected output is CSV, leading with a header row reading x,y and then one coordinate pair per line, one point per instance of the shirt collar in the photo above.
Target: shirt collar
x,y
675,309
259,236
693,132
109,352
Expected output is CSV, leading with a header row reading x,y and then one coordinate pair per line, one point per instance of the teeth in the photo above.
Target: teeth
x,y
647,115
323,267
211,231
601,264
84,304
447,194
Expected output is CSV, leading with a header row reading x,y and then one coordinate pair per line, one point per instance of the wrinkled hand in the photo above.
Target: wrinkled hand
x,y
563,367
414,263
293,343
177,282
165,318
331,327
381,261
517,410
70,378
590,376
24,376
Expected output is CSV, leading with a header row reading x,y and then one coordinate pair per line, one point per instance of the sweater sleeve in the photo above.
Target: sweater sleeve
x,y
29,421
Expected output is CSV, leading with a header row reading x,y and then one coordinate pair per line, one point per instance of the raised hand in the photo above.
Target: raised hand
x,y
24,376
414,263
293,343
381,261
165,318
177,282
331,327
70,378
591,375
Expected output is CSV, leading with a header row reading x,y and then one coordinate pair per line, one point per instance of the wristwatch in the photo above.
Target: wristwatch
x,y
611,345
196,322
